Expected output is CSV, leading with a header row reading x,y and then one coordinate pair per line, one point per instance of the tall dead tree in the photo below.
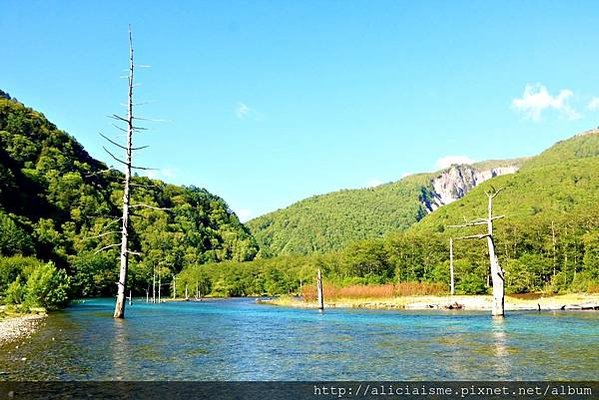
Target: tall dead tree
x,y
129,130
119,309
497,274
451,276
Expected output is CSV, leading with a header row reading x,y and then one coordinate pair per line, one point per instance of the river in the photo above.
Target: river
x,y
236,339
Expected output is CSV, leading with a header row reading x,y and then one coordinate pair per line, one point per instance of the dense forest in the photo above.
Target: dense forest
x,y
331,221
548,240
60,213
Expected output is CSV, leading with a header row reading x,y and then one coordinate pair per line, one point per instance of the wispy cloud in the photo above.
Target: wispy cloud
x,y
448,161
593,104
536,99
244,214
374,183
244,112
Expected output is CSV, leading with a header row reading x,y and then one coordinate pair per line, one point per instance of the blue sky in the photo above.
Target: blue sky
x,y
268,102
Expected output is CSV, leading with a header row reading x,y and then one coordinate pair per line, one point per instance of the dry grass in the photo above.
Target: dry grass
x,y
375,291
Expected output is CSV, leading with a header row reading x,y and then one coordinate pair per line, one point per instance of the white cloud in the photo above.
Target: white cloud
x,y
374,183
242,110
244,214
448,161
593,104
536,99
406,174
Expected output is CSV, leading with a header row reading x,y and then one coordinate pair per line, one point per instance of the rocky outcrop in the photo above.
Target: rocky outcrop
x,y
454,182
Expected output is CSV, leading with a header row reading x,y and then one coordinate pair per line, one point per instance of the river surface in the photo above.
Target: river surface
x,y
236,339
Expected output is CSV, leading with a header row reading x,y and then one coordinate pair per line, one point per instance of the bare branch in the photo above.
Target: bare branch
x,y
107,247
112,141
494,192
114,222
133,252
118,117
150,119
119,128
144,168
140,147
113,156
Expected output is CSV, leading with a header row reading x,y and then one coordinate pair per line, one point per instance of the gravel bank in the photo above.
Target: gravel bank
x,y
18,327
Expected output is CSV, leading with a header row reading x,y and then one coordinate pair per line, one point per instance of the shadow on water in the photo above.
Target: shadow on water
x,y
235,339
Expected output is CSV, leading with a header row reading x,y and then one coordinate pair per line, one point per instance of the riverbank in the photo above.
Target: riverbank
x,y
14,327
464,302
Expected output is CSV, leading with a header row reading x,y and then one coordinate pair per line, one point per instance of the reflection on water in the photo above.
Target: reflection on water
x,y
239,340
502,357
120,350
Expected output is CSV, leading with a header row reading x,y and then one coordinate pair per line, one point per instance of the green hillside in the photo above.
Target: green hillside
x,y
548,240
332,221
583,145
329,222
59,204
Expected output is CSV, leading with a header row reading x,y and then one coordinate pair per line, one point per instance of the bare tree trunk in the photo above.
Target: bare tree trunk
x,y
496,272
174,287
159,287
451,278
554,247
119,309
148,294
130,297
320,291
186,294
154,286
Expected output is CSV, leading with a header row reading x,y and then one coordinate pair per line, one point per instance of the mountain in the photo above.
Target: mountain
x,y
561,183
331,221
58,203
548,239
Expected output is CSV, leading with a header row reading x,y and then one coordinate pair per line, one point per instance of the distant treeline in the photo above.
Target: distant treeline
x,y
554,256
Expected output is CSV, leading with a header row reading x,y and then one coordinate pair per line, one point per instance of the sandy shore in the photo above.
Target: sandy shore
x,y
482,303
13,328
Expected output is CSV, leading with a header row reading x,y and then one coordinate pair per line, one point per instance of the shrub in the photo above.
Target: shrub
x,y
15,293
47,287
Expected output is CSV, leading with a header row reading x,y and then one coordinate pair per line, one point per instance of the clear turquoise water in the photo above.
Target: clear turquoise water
x,y
236,339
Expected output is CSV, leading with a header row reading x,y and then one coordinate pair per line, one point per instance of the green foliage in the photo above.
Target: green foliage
x,y
47,287
332,221
57,203
548,240
15,294
28,282
11,268
13,239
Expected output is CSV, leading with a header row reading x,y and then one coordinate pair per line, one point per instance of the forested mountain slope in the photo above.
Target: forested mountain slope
x,y
548,240
332,221
58,203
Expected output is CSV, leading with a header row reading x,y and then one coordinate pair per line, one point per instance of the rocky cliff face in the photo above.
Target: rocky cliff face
x,y
454,182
